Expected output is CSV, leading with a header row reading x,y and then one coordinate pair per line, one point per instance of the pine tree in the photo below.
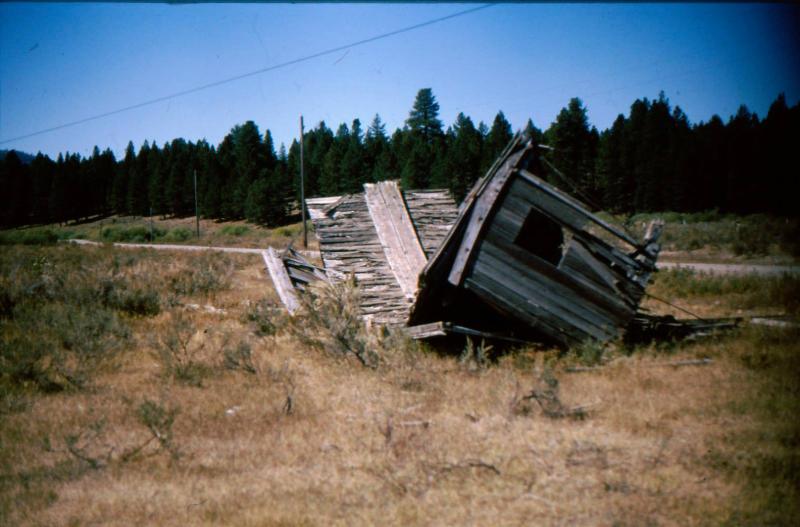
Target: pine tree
x,y
464,156
377,154
332,180
137,200
42,169
534,133
573,144
353,167
496,140
16,190
249,159
609,168
156,179
417,165
780,132
424,116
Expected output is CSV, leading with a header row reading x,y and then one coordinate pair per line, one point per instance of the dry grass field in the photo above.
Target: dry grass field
x,y
165,389
168,230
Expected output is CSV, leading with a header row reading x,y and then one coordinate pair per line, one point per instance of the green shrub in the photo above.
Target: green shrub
x,y
239,357
746,291
235,230
159,420
330,320
57,347
210,273
588,353
751,239
178,357
133,300
180,234
136,234
266,317
28,237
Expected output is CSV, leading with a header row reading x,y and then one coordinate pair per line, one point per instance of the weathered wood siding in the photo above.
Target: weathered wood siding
x,y
575,300
349,244
396,233
433,213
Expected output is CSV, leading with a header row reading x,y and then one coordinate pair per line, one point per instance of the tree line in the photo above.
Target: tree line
x,y
651,160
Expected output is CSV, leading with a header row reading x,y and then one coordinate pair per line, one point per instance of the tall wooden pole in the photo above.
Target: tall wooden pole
x,y
196,213
303,189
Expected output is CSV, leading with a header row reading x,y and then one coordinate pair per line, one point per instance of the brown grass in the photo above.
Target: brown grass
x,y
315,438
168,230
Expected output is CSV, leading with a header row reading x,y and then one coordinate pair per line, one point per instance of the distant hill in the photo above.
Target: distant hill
x,y
23,156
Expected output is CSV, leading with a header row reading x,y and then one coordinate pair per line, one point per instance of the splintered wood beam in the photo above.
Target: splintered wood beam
x,y
485,201
396,233
281,280
571,202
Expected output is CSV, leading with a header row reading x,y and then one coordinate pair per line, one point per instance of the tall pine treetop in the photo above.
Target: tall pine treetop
x,y
377,129
424,115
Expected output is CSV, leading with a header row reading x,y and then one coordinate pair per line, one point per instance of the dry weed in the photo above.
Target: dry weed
x,y
420,440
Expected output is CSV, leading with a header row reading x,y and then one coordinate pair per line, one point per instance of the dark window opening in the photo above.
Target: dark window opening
x,y
541,236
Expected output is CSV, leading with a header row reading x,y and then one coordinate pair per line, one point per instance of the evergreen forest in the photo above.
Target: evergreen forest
x,y
654,159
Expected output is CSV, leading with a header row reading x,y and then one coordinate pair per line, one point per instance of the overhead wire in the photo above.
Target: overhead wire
x,y
253,73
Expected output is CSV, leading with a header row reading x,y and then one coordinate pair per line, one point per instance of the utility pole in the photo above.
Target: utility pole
x,y
196,213
303,190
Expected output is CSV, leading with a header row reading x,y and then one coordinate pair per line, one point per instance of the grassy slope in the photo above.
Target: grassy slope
x,y
313,438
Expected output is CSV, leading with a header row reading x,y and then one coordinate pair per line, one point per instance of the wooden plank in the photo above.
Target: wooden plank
x,y
552,191
538,298
281,281
534,267
424,331
510,304
433,213
396,233
349,245
480,213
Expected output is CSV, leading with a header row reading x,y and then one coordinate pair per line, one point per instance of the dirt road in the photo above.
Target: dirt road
x,y
174,247
722,268
711,268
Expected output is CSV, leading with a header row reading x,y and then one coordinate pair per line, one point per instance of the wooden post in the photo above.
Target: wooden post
x,y
151,224
196,213
303,189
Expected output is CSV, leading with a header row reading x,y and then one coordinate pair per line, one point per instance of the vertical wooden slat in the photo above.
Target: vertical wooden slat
x,y
396,233
281,280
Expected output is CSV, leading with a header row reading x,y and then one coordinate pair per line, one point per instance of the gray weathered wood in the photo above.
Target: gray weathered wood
x,y
425,331
349,244
479,215
576,206
433,213
396,233
281,280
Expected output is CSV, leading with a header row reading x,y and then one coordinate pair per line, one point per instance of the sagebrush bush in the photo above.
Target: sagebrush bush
x,y
234,230
178,356
266,317
159,418
588,353
64,310
56,346
209,273
330,320
179,234
28,237
746,291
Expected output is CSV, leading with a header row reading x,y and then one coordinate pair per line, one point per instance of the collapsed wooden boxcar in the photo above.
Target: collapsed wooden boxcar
x,y
519,260
526,260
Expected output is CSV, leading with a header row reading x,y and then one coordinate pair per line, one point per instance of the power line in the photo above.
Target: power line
x,y
246,75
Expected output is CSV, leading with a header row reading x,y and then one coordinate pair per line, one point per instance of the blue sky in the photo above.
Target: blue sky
x,y
64,62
